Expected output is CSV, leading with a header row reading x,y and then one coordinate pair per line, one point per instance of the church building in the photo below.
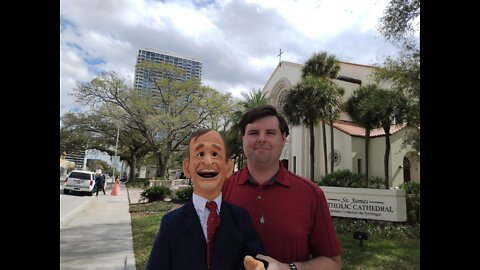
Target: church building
x,y
349,137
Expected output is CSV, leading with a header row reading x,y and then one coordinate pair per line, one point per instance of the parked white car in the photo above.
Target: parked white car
x,y
79,181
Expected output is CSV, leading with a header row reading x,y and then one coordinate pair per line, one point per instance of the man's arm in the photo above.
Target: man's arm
x,y
321,262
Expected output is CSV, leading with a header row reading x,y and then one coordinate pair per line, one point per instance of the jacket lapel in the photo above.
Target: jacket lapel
x,y
222,235
194,229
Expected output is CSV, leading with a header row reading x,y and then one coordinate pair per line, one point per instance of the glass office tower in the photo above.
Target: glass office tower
x,y
191,66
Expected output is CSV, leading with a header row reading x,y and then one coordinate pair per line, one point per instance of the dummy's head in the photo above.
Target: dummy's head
x,y
207,163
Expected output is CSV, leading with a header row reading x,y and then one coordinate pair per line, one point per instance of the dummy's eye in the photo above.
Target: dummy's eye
x,y
215,154
200,154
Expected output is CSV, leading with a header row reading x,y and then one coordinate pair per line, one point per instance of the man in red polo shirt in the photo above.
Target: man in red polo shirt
x,y
290,213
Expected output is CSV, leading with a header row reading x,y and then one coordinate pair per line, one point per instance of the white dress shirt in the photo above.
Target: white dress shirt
x,y
202,211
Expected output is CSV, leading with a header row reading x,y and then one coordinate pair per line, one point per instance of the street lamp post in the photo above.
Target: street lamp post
x,y
115,157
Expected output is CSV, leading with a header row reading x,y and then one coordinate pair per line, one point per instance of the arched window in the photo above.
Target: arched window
x,y
406,170
281,99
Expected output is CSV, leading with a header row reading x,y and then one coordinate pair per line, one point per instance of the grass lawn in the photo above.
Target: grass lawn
x,y
145,225
379,253
388,246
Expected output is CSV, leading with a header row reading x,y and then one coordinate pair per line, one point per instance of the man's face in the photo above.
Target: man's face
x,y
207,166
263,142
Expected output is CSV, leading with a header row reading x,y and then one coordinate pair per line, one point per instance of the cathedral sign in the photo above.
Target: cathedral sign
x,y
367,203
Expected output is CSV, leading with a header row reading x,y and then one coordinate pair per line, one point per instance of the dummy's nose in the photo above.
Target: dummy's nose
x,y
208,159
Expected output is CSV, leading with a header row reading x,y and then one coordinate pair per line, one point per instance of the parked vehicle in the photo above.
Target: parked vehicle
x,y
79,181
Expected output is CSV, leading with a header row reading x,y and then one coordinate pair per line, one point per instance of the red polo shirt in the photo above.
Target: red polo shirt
x,y
295,212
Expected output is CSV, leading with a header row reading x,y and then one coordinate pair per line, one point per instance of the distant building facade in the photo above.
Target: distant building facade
x,y
77,156
349,137
191,66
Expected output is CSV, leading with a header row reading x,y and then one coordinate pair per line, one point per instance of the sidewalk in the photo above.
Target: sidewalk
x,y
134,195
99,236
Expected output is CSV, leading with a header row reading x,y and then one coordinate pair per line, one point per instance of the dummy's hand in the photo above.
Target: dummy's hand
x,y
272,263
251,264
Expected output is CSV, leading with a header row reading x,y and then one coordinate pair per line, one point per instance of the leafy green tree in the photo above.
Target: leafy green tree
x,y
324,66
321,65
391,108
332,112
253,99
306,104
95,164
359,107
166,114
233,136
399,24
96,130
400,21
86,131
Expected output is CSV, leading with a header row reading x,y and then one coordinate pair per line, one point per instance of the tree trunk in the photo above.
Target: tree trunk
x,y
332,146
325,150
159,165
387,155
164,168
132,162
312,152
367,142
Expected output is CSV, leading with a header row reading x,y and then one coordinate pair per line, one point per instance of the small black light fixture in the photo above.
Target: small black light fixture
x,y
360,236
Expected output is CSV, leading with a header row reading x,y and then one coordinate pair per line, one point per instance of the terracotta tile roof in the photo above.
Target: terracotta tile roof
x,y
354,129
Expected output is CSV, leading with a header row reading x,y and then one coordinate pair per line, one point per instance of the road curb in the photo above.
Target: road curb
x,y
73,214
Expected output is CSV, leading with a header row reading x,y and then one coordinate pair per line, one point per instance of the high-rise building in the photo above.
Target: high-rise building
x,y
190,65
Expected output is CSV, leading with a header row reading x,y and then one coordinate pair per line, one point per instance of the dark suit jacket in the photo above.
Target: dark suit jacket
x,y
181,245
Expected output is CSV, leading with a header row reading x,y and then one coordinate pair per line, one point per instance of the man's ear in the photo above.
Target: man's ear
x,y
186,172
229,167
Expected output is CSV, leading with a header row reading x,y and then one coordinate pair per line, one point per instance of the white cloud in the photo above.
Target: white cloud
x,y
237,41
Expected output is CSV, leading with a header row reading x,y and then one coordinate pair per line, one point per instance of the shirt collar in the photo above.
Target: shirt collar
x,y
199,202
277,178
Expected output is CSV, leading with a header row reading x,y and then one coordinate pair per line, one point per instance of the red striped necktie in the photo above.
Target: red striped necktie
x,y
212,224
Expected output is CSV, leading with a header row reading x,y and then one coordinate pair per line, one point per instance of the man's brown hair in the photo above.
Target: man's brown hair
x,y
261,112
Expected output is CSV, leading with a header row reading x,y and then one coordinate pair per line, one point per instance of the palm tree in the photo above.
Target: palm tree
x,y
333,112
305,104
391,108
322,65
359,107
254,98
233,136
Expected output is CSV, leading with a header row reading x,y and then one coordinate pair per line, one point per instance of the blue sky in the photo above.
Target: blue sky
x,y
237,41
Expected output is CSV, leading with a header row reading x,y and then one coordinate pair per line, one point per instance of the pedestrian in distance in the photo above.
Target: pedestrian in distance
x,y
116,187
99,182
206,232
289,212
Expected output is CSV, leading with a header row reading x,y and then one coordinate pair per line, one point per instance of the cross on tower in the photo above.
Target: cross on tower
x,y
280,58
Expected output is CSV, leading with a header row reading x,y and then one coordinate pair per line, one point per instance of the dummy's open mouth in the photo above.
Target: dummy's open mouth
x,y
207,173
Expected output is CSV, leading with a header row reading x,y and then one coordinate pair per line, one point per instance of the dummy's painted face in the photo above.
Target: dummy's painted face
x,y
207,165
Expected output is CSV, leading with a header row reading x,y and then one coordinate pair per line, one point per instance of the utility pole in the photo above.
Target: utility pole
x,y
85,160
115,157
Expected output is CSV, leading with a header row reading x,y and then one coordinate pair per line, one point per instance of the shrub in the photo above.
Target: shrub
x,y
184,194
342,178
412,190
138,183
155,193
377,228
376,182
